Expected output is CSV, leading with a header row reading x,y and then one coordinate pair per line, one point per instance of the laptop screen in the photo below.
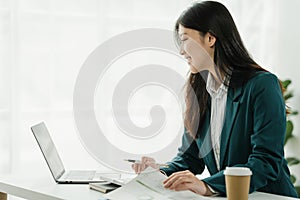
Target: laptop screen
x,y
48,149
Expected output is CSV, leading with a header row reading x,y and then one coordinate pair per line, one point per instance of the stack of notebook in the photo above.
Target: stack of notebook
x,y
103,187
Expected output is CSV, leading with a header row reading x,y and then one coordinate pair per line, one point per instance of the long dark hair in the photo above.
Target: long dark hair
x,y
230,56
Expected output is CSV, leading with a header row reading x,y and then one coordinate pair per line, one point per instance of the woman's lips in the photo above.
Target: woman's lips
x,y
188,58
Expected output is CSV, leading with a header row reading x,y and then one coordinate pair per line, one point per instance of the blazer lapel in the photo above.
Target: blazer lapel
x,y
232,106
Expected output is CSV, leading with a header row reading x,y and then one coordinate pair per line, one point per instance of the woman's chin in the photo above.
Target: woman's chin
x,y
193,69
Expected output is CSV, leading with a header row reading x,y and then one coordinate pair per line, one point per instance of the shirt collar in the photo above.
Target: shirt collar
x,y
211,87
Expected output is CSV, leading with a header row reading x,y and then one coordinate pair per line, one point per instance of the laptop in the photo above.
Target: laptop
x,y
54,162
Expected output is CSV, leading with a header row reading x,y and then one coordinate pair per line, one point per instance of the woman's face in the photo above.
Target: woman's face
x,y
197,49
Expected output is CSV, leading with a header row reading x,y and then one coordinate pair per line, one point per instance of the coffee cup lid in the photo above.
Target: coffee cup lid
x,y
237,171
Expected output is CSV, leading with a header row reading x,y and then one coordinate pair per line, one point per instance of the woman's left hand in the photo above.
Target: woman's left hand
x,y
186,180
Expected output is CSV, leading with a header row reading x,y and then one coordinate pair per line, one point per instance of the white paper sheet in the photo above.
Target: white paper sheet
x,y
148,186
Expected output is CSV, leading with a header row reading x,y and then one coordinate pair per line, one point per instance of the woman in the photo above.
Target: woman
x,y
235,112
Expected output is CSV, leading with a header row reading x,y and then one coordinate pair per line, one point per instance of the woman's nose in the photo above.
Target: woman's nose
x,y
181,51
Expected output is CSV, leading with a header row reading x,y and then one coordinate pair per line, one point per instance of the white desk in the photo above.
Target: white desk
x,y
44,188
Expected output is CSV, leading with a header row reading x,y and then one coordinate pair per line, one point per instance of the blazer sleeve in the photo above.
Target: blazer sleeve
x,y
187,157
266,137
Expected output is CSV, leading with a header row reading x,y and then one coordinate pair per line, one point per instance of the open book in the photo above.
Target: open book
x,y
148,185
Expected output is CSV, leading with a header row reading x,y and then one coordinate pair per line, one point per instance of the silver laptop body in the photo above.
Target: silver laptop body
x,y
54,162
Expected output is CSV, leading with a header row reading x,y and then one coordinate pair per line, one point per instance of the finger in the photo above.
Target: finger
x,y
176,181
170,182
151,160
135,167
180,181
176,174
194,185
171,177
144,159
147,160
139,166
183,186
142,167
151,164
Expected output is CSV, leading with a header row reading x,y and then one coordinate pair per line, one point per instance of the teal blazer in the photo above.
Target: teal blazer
x,y
252,136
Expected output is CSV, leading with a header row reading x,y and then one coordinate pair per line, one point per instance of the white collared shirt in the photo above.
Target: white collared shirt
x,y
218,106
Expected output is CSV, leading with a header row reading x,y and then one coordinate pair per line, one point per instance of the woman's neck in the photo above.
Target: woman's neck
x,y
218,77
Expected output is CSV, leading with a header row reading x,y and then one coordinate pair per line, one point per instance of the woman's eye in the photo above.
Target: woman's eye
x,y
183,40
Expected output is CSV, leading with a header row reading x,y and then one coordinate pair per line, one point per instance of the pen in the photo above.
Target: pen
x,y
138,161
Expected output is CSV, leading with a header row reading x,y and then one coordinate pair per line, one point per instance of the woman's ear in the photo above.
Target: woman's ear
x,y
210,39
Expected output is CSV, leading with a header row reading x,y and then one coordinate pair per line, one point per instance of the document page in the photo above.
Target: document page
x,y
148,186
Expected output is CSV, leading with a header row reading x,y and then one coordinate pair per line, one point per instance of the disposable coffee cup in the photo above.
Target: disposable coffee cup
x,y
237,181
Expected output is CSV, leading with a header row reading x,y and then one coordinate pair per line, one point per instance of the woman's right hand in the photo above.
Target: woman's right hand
x,y
145,162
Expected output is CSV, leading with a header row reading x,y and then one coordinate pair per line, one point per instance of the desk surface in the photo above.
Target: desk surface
x,y
45,188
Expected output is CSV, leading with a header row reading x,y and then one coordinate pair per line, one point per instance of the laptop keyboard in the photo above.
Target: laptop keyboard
x,y
80,175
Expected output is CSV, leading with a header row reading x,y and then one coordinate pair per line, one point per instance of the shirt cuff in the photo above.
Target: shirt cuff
x,y
212,190
163,172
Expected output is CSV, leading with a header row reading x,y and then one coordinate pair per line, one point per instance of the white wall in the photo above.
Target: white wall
x,y
288,66
44,43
